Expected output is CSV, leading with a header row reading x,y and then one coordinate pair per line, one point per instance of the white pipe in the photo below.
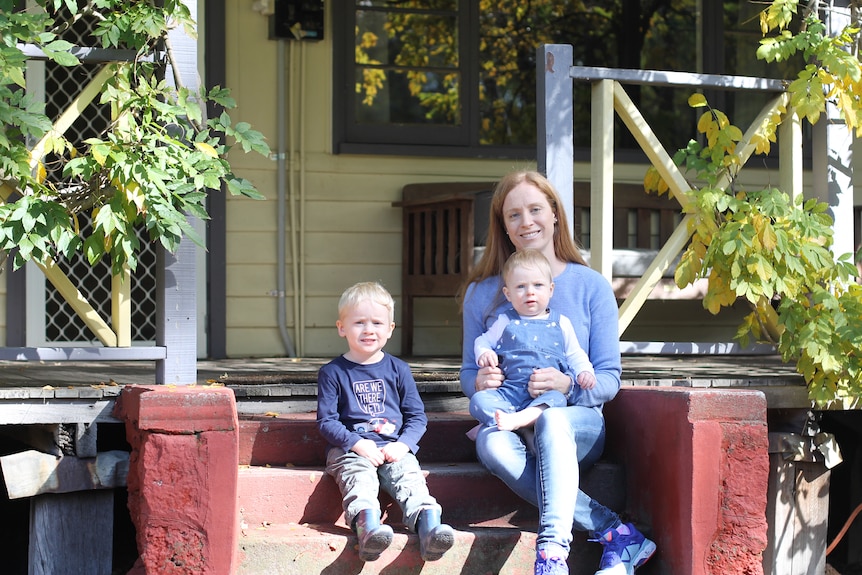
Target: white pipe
x,y
300,299
295,89
280,184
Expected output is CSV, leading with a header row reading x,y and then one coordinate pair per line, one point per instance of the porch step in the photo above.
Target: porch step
x,y
466,491
290,549
292,438
292,520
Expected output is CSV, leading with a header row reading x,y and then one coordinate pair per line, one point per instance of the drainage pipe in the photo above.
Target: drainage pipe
x,y
281,178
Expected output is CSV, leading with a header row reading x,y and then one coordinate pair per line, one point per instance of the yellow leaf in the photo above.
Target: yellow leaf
x,y
705,123
98,156
206,149
651,179
697,100
135,196
41,173
768,238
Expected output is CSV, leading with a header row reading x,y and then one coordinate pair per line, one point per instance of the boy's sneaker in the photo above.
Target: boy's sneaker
x,y
626,549
550,565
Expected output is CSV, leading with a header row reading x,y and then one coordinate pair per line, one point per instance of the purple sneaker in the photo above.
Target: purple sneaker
x,y
550,565
626,549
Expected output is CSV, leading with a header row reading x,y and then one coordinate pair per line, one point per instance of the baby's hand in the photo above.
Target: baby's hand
x,y
369,450
587,380
487,359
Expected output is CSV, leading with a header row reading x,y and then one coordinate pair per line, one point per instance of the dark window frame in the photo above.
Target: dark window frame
x,y
462,142
438,141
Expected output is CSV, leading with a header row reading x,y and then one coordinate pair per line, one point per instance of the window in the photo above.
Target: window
x,y
458,77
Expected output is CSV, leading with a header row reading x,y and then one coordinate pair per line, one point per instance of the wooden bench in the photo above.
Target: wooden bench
x,y
445,225
439,239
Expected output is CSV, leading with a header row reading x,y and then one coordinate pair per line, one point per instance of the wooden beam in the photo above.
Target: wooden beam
x,y
31,473
602,179
77,409
121,306
653,274
87,95
79,303
651,145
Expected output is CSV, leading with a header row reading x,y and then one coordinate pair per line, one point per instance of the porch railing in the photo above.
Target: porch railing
x,y
555,153
175,352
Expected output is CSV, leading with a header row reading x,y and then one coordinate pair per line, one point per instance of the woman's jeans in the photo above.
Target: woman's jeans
x,y
567,441
360,482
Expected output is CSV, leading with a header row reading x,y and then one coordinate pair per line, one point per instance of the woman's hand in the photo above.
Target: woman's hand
x,y
489,378
547,378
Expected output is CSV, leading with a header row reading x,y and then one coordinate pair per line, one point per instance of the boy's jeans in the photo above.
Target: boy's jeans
x,y
360,483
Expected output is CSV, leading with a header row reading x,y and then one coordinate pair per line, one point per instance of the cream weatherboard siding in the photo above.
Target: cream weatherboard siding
x,y
348,230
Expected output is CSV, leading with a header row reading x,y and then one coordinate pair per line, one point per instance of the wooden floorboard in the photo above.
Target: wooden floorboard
x,y
43,383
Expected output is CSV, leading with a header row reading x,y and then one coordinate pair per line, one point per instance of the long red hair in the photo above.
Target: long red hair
x,y
499,247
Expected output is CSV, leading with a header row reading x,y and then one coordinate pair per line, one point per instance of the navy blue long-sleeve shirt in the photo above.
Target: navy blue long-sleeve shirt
x,y
379,402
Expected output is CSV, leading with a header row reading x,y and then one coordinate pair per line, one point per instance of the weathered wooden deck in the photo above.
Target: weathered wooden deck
x,y
32,392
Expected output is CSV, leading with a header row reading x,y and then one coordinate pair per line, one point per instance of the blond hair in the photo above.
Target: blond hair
x,y
529,258
364,291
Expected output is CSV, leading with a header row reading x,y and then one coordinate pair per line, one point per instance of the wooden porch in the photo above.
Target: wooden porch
x,y
32,392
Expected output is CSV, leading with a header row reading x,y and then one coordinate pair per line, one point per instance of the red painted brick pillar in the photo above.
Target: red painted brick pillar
x,y
697,472
182,478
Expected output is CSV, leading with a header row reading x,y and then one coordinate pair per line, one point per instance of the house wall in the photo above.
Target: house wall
x,y
347,229
341,227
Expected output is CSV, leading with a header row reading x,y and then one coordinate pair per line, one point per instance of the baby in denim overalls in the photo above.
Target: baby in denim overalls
x,y
527,337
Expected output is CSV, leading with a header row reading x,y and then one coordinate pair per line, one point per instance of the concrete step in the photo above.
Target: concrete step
x,y
293,439
291,549
292,518
468,494
319,549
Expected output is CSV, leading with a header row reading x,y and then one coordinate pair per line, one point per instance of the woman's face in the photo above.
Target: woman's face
x,y
529,219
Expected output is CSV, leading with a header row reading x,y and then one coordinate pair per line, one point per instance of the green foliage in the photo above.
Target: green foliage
x,y
766,248
154,165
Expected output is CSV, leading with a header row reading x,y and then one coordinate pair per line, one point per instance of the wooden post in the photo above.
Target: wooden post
x,y
176,314
555,143
72,533
176,274
797,512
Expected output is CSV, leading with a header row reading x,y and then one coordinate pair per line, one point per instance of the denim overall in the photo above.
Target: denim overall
x,y
526,344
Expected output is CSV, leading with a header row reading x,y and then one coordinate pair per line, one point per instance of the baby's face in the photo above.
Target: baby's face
x,y
529,290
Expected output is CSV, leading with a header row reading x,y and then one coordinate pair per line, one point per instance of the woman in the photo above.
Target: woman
x,y
526,213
